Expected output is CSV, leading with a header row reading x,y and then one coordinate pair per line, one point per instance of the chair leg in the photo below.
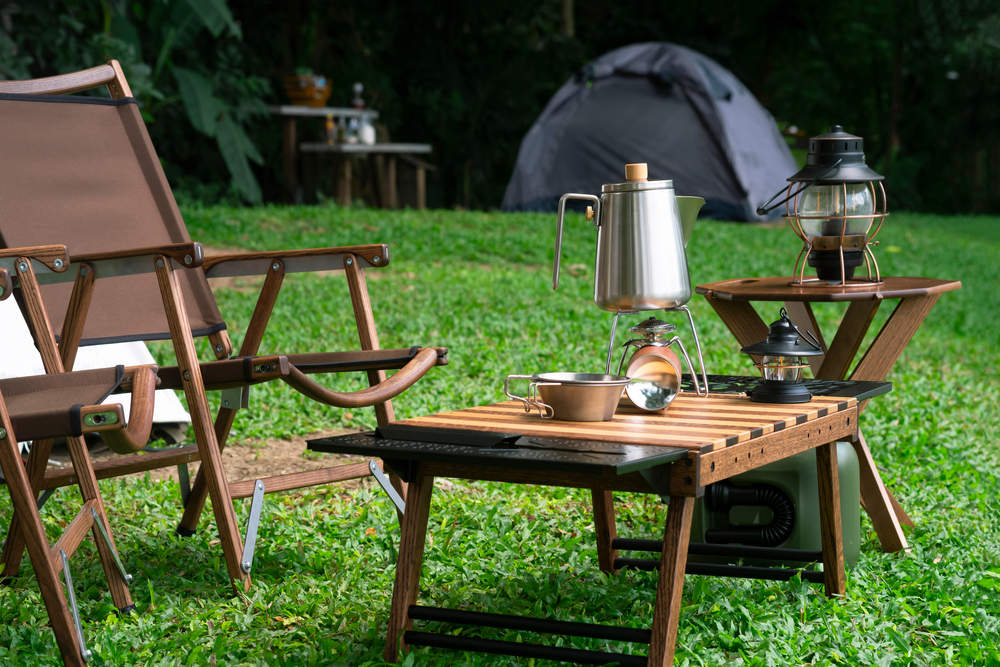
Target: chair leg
x,y
36,541
13,549
89,490
670,585
195,504
605,529
194,390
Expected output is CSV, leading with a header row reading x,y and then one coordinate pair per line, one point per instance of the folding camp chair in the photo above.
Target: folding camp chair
x,y
68,405
83,170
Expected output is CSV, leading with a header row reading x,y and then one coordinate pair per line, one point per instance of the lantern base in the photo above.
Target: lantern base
x,y
852,284
780,391
828,264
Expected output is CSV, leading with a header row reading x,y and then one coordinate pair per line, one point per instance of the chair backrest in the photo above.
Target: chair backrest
x,y
82,171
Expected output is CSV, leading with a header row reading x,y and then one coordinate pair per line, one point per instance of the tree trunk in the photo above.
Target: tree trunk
x,y
568,28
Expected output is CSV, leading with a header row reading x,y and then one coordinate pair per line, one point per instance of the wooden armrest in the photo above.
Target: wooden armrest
x,y
129,262
424,360
5,285
120,438
188,255
296,261
54,257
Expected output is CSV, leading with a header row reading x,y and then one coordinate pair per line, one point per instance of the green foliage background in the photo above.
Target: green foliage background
x,y
919,79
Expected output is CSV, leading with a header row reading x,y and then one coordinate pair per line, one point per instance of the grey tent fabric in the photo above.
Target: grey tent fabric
x,y
680,112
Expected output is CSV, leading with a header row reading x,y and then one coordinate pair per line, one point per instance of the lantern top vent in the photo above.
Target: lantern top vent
x,y
826,149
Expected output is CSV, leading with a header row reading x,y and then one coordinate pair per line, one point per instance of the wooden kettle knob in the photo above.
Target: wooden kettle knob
x,y
636,172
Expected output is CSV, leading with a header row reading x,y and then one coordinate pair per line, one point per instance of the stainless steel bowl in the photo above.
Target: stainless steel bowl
x,y
577,397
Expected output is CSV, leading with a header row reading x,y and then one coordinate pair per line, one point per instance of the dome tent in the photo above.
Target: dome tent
x,y
682,113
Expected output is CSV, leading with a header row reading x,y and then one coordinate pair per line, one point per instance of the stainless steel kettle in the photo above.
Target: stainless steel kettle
x,y
643,228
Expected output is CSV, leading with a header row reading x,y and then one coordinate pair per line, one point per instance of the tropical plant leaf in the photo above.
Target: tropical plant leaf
x,y
247,145
202,106
231,145
216,16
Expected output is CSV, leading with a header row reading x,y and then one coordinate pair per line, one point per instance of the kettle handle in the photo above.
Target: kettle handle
x,y
562,211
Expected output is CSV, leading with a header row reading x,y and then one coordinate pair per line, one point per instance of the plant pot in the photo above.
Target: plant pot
x,y
310,90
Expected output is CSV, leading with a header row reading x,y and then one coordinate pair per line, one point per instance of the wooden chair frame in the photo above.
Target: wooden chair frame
x,y
210,436
23,478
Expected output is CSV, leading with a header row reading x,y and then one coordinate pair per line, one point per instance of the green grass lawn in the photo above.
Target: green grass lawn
x,y
480,284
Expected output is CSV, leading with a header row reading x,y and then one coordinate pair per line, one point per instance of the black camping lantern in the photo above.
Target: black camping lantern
x,y
834,211
782,353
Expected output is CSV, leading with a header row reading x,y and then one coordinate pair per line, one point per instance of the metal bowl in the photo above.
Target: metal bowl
x,y
577,397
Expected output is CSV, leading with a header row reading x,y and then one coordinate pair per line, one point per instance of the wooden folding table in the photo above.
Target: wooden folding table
x,y
732,301
674,454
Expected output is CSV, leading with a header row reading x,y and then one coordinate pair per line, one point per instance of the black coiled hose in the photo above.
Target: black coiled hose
x,y
722,496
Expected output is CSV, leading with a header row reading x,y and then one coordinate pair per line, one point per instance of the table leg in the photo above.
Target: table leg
x,y
878,501
421,188
408,564
848,338
741,319
344,180
893,338
828,481
390,182
605,529
288,158
670,585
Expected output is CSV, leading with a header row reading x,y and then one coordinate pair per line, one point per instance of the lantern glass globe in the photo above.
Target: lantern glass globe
x,y
818,201
785,369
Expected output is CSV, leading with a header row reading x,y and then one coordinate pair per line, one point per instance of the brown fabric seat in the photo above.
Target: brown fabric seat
x,y
83,172
40,406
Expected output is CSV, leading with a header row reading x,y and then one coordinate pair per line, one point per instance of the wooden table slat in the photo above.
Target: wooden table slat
x,y
694,422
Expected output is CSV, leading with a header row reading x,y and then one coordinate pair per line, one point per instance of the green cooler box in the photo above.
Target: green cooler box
x,y
777,505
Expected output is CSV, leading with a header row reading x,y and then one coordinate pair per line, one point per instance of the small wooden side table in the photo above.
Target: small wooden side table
x,y
732,301
289,141
387,179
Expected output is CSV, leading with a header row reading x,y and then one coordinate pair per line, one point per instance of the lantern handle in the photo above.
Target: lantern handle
x,y
764,208
811,340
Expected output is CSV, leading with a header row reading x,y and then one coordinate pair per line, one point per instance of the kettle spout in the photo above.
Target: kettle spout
x,y
689,207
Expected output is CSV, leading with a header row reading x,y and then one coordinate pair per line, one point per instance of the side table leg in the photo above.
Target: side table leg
x,y
344,180
878,501
408,564
605,529
392,199
288,148
670,585
421,187
828,479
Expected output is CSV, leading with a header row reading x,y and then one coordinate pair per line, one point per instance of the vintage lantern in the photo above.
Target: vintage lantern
x,y
834,212
783,353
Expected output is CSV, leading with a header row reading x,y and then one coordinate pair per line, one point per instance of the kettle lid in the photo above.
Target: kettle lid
x,y
636,180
